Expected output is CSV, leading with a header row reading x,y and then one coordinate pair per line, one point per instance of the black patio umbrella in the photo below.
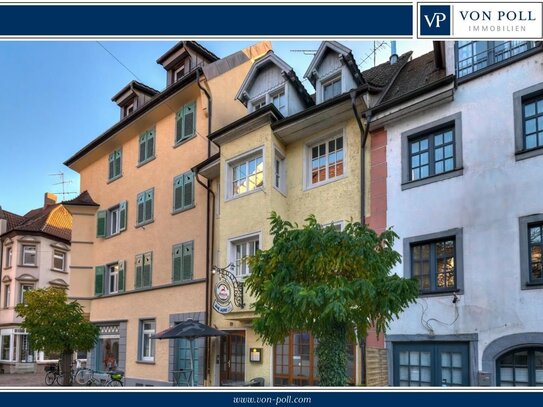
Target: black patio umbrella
x,y
189,329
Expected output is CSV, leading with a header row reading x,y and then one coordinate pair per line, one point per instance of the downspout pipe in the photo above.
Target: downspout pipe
x,y
364,130
209,193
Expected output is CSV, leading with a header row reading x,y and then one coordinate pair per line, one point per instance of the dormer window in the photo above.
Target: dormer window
x,y
280,102
179,73
277,97
129,109
331,88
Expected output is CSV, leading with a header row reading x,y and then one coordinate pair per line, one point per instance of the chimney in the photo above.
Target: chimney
x,y
393,55
49,199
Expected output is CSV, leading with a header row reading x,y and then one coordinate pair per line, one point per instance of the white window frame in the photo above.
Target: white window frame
x,y
277,93
235,162
328,80
24,252
268,97
113,227
147,332
22,291
59,254
113,277
177,70
7,295
232,252
129,108
278,156
330,135
9,257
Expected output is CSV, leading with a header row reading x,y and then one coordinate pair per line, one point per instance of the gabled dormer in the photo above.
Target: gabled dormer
x,y
183,58
333,71
272,80
132,97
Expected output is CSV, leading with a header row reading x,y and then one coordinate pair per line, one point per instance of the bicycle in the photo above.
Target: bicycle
x,y
52,375
79,375
99,378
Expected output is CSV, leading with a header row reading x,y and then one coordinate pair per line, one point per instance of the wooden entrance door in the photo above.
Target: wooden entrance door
x,y
233,357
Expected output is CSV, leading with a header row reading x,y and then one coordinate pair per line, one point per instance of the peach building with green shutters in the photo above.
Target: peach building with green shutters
x,y
140,238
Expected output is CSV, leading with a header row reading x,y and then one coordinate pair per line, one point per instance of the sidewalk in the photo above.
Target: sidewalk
x,y
23,380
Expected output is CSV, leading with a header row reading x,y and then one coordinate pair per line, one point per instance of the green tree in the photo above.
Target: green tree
x,y
335,284
56,325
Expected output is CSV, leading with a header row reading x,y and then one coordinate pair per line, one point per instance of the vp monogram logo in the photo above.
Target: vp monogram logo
x,y
438,18
434,20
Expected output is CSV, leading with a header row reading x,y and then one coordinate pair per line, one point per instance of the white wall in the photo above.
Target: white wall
x,y
486,201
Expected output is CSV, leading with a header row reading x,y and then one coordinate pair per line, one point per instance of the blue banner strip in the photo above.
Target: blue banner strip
x,y
268,398
206,20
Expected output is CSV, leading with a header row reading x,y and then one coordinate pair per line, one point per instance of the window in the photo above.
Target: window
x,y
179,73
7,295
247,175
431,364
147,345
5,347
23,290
528,118
144,270
9,257
473,56
112,221
115,165
109,279
279,179
280,101
331,88
327,160
145,207
147,146
58,260
531,251
185,123
183,192
241,250
532,110
182,262
259,104
295,361
520,367
435,261
29,255
432,152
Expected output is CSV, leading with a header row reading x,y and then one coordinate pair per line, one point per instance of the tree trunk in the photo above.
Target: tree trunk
x,y
332,354
66,366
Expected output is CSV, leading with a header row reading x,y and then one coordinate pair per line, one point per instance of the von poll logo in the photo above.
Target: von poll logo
x,y
434,20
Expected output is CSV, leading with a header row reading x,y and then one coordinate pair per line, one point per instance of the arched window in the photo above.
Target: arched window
x,y
520,367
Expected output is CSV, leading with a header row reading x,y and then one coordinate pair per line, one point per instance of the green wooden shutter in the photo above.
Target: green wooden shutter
x,y
188,261
101,217
147,269
141,207
178,192
149,195
188,189
118,156
179,126
121,275
150,144
176,263
189,116
99,275
111,172
143,139
139,271
123,209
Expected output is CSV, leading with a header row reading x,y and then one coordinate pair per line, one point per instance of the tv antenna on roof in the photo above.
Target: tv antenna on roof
x,y
377,46
305,51
63,183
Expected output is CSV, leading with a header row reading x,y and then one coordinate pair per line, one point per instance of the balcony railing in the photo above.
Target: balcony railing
x,y
473,56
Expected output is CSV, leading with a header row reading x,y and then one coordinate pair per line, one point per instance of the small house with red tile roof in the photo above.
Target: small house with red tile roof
x,y
35,253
